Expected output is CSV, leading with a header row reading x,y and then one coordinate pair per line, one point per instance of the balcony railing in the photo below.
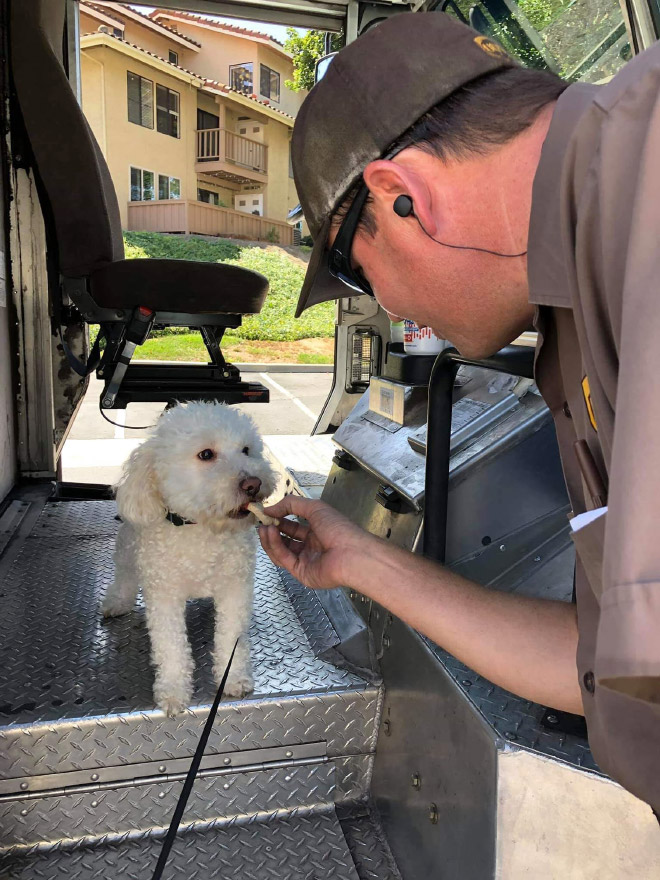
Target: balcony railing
x,y
192,217
222,145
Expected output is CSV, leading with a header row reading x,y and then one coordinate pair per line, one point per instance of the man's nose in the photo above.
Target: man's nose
x,y
250,485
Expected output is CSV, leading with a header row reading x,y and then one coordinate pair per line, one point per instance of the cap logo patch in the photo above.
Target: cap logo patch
x,y
490,47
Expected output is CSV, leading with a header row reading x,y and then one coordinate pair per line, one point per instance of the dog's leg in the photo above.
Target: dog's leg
x,y
122,592
170,652
233,610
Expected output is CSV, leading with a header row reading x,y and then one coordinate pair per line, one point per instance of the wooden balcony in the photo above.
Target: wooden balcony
x,y
192,217
222,153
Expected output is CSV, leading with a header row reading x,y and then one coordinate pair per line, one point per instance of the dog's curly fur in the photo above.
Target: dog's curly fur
x,y
213,557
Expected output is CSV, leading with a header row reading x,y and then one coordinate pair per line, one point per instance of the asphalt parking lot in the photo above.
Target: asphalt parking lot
x,y
95,449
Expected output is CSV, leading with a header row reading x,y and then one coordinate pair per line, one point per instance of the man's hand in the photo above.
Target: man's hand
x,y
320,555
525,645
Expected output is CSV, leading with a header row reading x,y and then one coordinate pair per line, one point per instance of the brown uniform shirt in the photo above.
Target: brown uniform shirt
x,y
594,272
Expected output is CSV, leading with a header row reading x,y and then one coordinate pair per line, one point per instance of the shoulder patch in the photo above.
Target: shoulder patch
x,y
586,390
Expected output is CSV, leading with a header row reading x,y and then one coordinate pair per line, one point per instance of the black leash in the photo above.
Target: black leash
x,y
190,778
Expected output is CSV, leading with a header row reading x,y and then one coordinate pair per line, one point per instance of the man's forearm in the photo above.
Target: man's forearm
x,y
525,645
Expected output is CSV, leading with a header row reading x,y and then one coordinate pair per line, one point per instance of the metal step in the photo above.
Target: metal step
x,y
305,847
86,758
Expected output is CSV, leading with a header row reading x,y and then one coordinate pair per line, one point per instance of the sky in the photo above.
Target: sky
x,y
273,30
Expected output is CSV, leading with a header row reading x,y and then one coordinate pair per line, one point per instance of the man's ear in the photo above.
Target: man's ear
x,y
387,179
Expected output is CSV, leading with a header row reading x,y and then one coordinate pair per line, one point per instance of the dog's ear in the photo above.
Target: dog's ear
x,y
138,499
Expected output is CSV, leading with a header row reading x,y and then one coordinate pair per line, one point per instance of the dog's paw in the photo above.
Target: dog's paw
x,y
239,685
172,705
115,607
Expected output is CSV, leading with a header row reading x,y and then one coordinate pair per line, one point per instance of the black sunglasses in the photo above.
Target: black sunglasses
x,y
339,258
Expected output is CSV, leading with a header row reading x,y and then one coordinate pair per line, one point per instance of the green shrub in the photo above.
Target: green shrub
x,y
273,236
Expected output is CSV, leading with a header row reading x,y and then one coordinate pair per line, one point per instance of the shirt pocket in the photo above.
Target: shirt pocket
x,y
589,543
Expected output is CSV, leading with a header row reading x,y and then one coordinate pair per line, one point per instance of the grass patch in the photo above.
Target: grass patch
x,y
189,347
306,357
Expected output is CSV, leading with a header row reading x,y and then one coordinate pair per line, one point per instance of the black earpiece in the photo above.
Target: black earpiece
x,y
403,206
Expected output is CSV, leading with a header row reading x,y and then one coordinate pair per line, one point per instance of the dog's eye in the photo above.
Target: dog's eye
x,y
246,450
206,455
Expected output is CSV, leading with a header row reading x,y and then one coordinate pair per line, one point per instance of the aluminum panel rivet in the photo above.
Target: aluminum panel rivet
x,y
24,812
289,754
416,781
94,777
226,761
433,814
161,794
162,768
95,803
24,786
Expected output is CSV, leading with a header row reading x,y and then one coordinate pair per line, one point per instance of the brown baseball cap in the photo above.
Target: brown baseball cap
x,y
373,91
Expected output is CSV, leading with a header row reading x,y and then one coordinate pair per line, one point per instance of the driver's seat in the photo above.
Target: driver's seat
x,y
126,297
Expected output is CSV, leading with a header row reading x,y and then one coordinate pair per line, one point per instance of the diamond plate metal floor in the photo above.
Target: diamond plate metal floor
x,y
79,731
59,659
305,848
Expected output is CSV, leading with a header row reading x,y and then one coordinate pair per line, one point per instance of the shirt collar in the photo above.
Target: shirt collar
x,y
547,263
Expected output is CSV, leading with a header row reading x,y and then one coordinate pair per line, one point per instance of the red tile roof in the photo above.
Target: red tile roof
x,y
100,8
219,25
214,83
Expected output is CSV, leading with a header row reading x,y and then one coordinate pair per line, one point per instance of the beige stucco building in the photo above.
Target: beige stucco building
x,y
193,118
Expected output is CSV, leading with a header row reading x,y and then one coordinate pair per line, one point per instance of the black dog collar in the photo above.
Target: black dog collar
x,y
177,520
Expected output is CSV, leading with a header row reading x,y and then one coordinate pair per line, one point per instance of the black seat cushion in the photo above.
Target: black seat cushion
x,y
178,286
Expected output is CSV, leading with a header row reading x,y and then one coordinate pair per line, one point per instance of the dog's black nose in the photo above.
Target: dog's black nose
x,y
250,485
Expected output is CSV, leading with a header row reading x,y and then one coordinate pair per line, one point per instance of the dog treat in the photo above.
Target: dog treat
x,y
258,511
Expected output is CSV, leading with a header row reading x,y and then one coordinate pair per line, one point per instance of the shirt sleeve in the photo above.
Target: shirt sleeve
x,y
617,267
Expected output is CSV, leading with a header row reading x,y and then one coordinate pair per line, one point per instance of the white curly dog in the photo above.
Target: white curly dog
x,y
186,533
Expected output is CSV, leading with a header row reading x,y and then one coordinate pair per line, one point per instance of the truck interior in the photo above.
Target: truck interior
x,y
366,752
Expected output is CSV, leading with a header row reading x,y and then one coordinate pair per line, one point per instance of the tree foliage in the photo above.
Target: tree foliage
x,y
306,49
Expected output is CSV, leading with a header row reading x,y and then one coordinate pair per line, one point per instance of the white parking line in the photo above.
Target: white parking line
x,y
120,418
276,385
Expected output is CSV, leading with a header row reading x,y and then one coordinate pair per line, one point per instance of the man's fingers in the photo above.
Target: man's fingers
x,y
276,549
292,504
294,529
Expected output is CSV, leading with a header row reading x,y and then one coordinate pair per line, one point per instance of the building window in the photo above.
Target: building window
x,y
240,78
208,196
270,83
173,57
206,120
142,185
168,187
167,111
140,100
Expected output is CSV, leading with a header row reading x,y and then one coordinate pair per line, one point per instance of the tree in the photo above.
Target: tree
x,y
306,49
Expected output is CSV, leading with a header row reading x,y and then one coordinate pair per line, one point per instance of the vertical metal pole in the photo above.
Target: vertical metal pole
x,y
517,360
438,435
352,11
73,47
